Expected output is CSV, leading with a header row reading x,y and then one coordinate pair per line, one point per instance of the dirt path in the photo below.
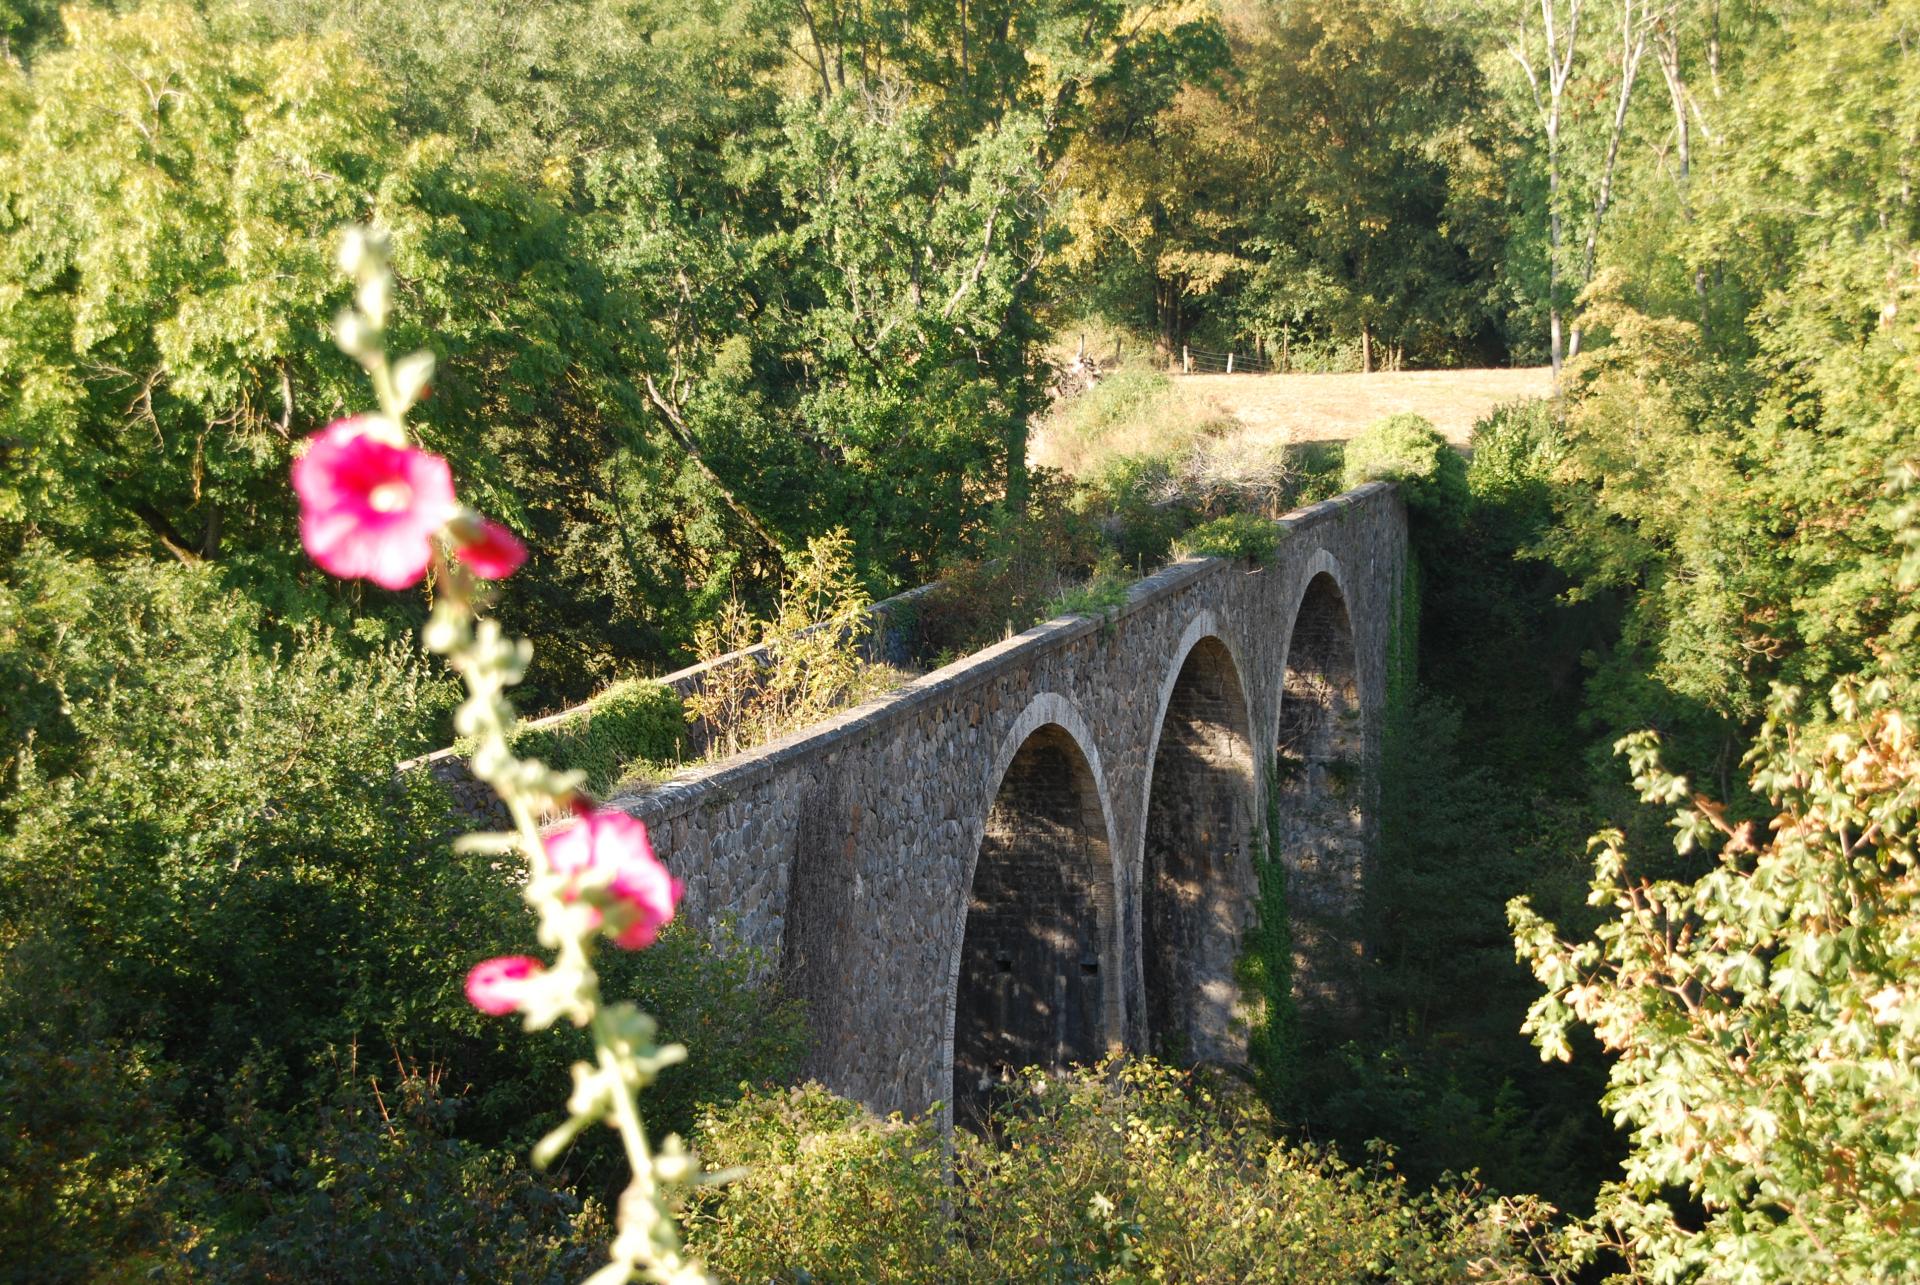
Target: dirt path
x,y
1314,408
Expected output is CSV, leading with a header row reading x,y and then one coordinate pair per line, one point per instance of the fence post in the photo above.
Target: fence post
x,y
1186,361
1229,363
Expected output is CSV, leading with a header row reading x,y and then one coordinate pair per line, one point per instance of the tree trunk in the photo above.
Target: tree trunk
x,y
1554,350
1366,350
1632,45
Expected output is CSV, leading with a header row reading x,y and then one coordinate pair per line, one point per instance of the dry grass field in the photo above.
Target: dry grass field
x,y
1316,408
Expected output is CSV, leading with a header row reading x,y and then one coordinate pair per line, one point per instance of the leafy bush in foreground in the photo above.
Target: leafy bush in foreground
x,y
1132,1172
211,879
1764,1016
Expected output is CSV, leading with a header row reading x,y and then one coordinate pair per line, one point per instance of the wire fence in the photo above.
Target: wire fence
x,y
1202,361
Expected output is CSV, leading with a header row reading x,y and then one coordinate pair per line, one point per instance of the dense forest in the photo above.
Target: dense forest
x,y
755,310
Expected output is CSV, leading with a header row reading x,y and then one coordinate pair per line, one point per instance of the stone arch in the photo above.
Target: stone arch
x,y
1320,792
1198,888
1033,977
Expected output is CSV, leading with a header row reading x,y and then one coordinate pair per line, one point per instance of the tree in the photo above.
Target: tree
x,y
1550,59
1763,1016
1730,476
1365,105
165,274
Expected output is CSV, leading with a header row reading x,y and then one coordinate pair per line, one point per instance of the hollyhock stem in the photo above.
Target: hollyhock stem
x,y
573,907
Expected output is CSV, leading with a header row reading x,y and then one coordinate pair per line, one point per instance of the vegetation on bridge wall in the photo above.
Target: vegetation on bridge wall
x,y
1266,967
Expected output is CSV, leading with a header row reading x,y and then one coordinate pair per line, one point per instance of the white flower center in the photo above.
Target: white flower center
x,y
390,497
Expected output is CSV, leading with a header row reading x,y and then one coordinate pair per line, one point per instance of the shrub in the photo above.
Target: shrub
x,y
89,1143
1129,497
1515,450
712,994
210,876
1407,449
829,1192
1515,446
1238,535
1007,586
368,1184
631,723
1318,468
814,661
1126,1173
1098,597
213,828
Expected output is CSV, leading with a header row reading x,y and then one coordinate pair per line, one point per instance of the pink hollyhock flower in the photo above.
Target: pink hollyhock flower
x,y
369,508
494,553
642,893
649,893
495,986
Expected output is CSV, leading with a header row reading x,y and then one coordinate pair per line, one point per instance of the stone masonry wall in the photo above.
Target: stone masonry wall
x,y
847,852
1199,890
1030,991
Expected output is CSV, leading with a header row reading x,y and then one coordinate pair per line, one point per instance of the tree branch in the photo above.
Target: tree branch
x,y
677,428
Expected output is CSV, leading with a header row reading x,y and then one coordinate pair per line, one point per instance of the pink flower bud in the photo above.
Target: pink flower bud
x,y
494,553
369,508
496,986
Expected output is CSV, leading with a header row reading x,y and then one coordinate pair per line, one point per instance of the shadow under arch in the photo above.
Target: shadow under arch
x,y
1034,977
1198,886
1320,792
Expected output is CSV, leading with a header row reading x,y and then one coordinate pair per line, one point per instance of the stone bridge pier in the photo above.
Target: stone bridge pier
x,y
1050,849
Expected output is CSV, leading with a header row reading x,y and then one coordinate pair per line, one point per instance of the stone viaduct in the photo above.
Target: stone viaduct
x,y
1047,850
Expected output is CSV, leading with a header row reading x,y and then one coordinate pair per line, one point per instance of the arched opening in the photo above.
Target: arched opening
x,y
1320,799
1034,962
1199,885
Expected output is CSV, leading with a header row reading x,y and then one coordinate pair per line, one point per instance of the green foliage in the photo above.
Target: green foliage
x,y
1321,469
1409,450
1025,565
719,999
1762,1016
173,186
1265,970
1372,237
813,662
1101,596
1730,433
633,722
1481,794
829,1192
1434,1068
1238,535
1515,448
211,876
92,1149
182,803
1381,220
1133,1172
368,1184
